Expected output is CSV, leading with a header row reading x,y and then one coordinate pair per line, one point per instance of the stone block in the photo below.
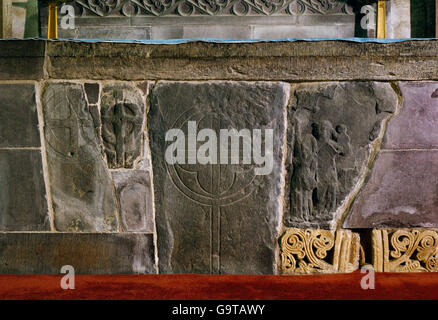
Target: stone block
x,y
217,218
19,118
401,192
134,195
416,127
23,204
81,186
87,253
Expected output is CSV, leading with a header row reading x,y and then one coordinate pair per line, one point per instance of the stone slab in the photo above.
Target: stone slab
x,y
402,192
122,116
23,204
296,61
21,59
134,197
18,114
333,129
217,218
416,127
81,186
87,253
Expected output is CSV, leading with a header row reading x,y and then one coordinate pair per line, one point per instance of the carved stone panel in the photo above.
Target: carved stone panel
x,y
122,112
405,250
81,186
307,251
334,129
217,217
134,195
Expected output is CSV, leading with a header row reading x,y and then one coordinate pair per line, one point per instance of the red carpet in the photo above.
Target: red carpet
x,y
198,287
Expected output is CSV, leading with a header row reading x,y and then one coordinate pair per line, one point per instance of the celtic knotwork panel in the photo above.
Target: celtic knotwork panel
x,y
307,251
212,7
406,250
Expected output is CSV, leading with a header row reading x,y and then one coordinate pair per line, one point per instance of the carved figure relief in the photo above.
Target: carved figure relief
x,y
122,112
330,146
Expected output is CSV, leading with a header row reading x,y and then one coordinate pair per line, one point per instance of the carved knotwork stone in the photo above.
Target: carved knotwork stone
x,y
334,131
405,250
122,113
307,251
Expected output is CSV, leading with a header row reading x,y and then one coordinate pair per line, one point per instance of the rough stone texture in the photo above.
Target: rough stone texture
x,y
297,61
46,253
81,186
134,196
23,205
92,91
402,192
416,127
122,112
332,128
22,59
18,114
217,218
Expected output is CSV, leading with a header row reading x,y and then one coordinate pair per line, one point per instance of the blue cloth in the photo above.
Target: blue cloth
x,y
178,41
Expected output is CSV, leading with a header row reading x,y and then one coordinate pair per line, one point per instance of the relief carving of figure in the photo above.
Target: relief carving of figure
x,y
304,181
328,149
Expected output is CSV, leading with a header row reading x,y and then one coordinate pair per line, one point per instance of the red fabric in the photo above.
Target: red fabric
x,y
229,287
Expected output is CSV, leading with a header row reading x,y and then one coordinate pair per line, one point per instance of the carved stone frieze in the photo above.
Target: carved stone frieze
x,y
211,7
307,251
405,250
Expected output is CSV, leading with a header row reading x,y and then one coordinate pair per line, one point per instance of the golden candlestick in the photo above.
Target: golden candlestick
x,y
381,19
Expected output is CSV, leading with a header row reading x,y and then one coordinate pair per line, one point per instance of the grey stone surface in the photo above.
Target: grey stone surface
x,y
87,253
23,205
332,128
81,186
92,91
416,127
22,59
217,218
134,195
265,61
122,113
402,192
18,114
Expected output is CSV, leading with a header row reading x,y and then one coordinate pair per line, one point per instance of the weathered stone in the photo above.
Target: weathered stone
x,y
333,127
134,195
22,59
196,60
217,218
87,253
122,111
92,91
18,114
23,205
402,192
416,127
81,186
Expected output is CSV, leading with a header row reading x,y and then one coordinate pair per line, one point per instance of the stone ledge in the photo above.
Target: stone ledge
x,y
280,61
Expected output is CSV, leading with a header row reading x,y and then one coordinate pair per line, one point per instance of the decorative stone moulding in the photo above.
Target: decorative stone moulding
x,y
212,7
307,251
405,250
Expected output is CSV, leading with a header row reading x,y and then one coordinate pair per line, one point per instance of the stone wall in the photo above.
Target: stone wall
x,y
84,178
